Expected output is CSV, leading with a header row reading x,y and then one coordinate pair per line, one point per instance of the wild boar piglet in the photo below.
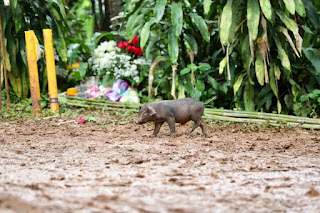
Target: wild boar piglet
x,y
173,111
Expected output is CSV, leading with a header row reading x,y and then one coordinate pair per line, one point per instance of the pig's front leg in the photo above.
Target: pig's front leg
x,y
157,126
172,125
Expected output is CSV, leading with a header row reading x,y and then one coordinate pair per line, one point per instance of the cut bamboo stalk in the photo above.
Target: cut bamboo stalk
x,y
261,115
260,121
31,44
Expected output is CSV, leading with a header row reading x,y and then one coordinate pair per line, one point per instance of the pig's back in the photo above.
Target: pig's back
x,y
185,109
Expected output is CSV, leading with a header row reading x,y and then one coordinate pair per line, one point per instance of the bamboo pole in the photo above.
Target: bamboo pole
x,y
31,42
4,64
232,113
51,71
262,122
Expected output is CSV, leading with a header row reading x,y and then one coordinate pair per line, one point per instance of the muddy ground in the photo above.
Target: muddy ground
x,y
55,165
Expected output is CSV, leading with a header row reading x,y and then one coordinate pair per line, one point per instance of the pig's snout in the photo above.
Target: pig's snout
x,y
138,121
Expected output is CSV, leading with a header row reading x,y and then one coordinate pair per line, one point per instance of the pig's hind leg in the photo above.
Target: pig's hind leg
x,y
172,125
195,125
203,127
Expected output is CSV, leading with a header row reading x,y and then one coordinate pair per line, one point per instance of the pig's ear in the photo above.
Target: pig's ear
x,y
151,111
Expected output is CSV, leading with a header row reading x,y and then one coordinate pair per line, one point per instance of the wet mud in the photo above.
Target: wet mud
x,y
55,165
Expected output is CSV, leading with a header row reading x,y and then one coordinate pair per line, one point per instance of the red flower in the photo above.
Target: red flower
x,y
123,44
130,48
138,51
135,40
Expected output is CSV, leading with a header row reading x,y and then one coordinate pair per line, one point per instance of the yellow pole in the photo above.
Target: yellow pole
x,y
31,44
51,71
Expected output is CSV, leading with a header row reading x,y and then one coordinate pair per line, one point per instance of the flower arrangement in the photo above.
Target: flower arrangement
x,y
112,61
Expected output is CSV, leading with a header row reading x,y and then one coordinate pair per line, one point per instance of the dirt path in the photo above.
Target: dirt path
x,y
47,167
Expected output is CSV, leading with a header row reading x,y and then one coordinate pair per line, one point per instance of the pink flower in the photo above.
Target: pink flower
x,y
135,40
123,44
82,120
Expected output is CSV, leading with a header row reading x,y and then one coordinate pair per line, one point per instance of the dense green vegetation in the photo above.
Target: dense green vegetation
x,y
255,55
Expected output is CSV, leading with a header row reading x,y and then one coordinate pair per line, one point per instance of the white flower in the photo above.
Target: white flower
x,y
106,60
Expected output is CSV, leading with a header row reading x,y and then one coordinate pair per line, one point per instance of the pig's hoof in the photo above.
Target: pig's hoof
x,y
152,136
173,135
205,136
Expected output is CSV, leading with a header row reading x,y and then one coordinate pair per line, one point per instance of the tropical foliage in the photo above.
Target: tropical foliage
x,y
252,54
34,15
256,55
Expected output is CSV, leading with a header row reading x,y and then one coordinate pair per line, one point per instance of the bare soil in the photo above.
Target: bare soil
x,y
54,165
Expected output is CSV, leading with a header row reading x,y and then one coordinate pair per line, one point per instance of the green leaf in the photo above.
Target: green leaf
x,y
16,84
224,87
202,26
248,96
173,46
237,84
214,83
253,15
204,66
259,67
277,72
300,8
267,10
288,99
18,18
290,5
246,57
192,42
159,9
206,6
195,93
283,56
132,21
60,44
177,18
313,55
312,96
226,22
290,24
72,52
279,107
193,67
200,86
185,71
181,93
98,36
316,92
89,29
312,13
83,69
222,65
303,98
145,31
149,50
273,82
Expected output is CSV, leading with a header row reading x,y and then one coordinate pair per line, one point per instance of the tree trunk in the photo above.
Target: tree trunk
x,y
107,21
101,15
93,10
